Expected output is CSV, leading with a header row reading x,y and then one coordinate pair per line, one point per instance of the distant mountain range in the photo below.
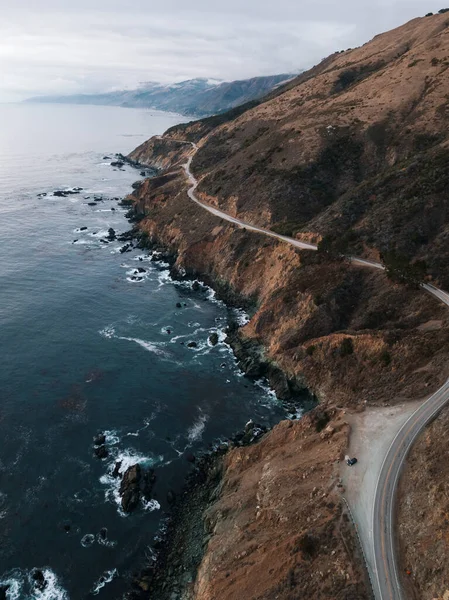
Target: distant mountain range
x,y
195,97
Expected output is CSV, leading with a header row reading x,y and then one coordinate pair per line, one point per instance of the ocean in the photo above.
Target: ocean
x,y
90,345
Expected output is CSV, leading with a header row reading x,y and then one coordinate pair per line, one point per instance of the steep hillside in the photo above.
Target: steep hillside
x,y
356,147
354,154
275,525
194,97
353,150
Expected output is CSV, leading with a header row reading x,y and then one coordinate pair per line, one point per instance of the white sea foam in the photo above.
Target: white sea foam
x,y
141,257
87,540
147,423
98,234
81,243
104,541
195,432
108,332
136,276
149,346
112,437
106,578
241,316
164,278
151,505
22,586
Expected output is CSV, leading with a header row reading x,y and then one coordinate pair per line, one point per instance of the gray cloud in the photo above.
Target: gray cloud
x,y
67,47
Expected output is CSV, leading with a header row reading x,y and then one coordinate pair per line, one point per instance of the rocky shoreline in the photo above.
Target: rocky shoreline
x,y
251,358
179,549
177,553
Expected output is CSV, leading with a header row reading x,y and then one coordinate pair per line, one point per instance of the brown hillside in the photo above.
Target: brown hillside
x,y
357,150
351,145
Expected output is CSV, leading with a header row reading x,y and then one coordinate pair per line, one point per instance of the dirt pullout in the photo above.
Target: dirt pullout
x,y
279,529
372,432
423,514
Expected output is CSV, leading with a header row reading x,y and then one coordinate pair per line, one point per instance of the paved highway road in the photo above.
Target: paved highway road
x,y
385,579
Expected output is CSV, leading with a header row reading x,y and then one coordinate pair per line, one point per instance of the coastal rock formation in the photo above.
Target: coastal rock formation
x,y
136,483
130,488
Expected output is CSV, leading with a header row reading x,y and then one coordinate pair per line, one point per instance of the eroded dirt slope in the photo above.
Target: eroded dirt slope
x,y
279,529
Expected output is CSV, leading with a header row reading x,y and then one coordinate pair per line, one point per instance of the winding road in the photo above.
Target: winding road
x,y
382,542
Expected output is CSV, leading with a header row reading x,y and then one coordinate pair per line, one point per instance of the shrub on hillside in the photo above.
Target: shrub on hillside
x,y
401,270
347,347
443,10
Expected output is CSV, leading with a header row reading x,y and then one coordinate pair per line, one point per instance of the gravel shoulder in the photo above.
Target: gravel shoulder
x,y
372,433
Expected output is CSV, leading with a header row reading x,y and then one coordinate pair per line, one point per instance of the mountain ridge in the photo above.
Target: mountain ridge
x,y
194,97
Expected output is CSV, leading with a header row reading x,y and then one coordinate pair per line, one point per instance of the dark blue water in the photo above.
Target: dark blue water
x,y
87,349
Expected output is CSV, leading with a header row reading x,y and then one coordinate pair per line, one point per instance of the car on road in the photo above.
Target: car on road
x,y
351,461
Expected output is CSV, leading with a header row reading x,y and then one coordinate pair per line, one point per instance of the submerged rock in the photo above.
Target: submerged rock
x,y
83,228
192,345
213,338
117,163
116,471
3,590
39,579
147,483
100,439
190,457
65,193
101,452
111,234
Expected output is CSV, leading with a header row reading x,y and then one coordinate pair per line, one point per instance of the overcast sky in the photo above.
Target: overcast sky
x,y
62,46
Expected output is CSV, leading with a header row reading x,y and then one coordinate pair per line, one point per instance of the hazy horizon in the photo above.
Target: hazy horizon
x,y
61,48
